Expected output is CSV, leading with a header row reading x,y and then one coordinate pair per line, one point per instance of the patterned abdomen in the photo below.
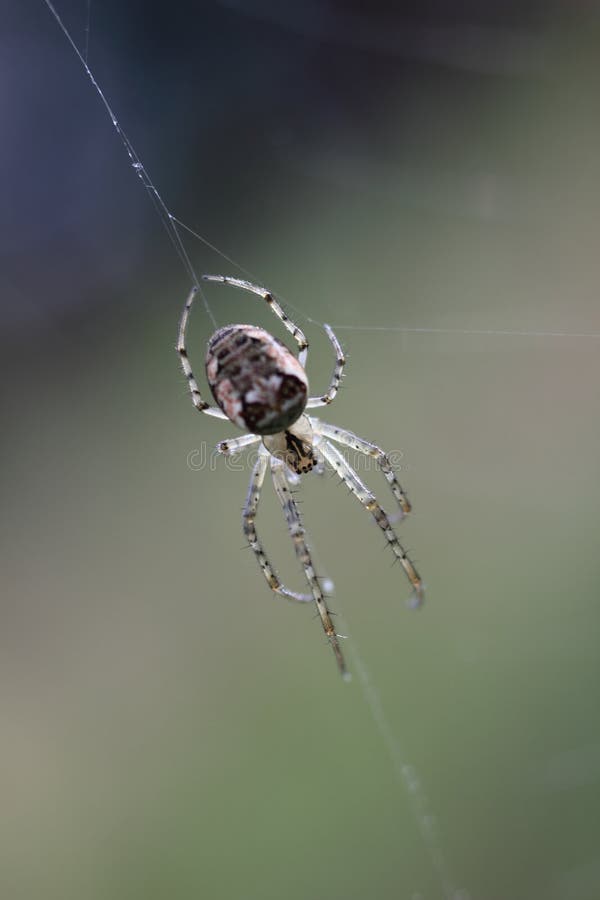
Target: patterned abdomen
x,y
260,386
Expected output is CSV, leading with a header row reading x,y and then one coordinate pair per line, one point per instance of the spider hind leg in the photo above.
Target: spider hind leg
x,y
298,535
354,484
248,520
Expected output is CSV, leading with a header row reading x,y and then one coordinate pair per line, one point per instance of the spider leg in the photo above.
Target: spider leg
x,y
369,501
298,534
248,519
336,377
234,445
200,404
293,329
348,439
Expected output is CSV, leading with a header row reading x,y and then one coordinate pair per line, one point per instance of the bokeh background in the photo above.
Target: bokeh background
x,y
169,729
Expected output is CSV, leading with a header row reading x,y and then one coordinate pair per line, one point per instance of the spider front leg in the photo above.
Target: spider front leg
x,y
248,518
348,439
298,535
336,377
369,501
200,404
274,304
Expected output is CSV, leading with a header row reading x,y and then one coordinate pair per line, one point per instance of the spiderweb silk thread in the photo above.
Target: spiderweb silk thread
x,y
405,775
173,225
168,220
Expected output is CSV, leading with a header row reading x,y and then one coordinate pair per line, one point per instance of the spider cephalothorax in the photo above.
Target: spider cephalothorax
x,y
294,447
260,386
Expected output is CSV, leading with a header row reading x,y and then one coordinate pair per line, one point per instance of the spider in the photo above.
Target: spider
x,y
261,387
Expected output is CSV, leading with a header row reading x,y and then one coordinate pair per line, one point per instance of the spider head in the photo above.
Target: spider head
x,y
299,455
294,447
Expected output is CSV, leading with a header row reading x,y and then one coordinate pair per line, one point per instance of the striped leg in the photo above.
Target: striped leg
x,y
340,361
234,445
368,500
248,519
348,439
298,536
293,329
200,404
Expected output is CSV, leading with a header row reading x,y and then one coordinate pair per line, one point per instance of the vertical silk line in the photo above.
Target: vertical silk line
x,y
407,777
168,220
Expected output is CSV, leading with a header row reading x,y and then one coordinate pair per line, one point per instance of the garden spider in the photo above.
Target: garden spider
x,y
261,387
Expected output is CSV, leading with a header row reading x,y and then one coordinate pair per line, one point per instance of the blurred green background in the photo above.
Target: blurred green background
x,y
169,729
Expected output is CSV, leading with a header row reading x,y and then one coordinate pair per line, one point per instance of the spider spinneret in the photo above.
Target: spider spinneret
x,y
261,387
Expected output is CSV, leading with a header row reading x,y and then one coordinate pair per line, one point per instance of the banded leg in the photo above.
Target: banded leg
x,y
369,501
234,445
249,516
340,361
293,329
200,404
298,534
348,439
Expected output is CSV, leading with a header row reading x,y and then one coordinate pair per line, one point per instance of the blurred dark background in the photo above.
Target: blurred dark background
x,y
426,177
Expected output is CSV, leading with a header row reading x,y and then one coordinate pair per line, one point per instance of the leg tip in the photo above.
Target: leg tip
x,y
417,598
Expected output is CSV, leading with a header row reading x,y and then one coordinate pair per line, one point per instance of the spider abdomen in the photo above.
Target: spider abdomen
x,y
257,382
